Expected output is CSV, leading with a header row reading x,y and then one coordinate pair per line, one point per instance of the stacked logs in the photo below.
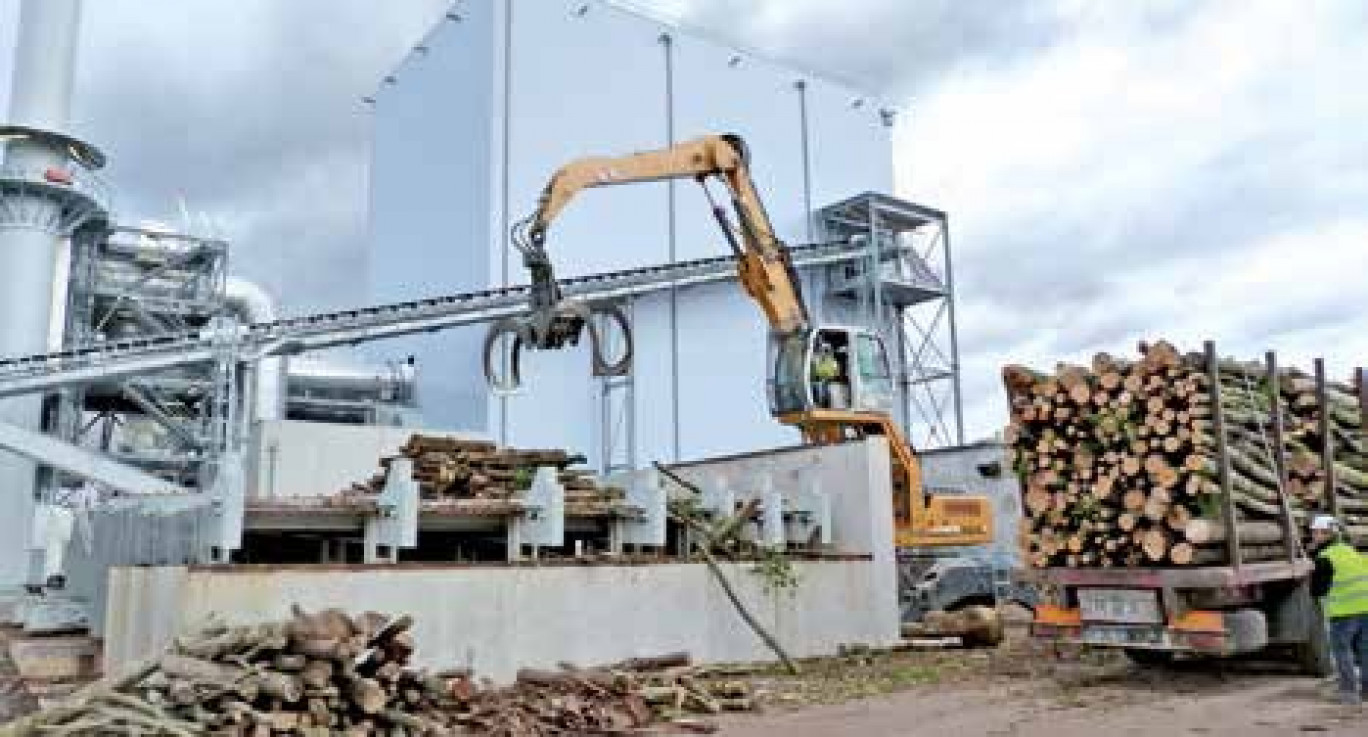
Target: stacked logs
x,y
1120,466
330,673
615,699
316,674
448,468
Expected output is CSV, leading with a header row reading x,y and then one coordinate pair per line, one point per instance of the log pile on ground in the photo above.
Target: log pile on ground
x,y
329,673
1119,460
666,692
448,468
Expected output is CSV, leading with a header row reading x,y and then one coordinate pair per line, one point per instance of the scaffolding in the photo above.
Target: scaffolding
x,y
130,282
904,288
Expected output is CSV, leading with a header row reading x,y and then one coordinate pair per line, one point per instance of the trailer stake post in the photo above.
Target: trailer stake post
x,y
1232,524
1275,419
1327,440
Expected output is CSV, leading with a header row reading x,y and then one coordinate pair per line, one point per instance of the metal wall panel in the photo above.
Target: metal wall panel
x,y
722,333
580,85
602,81
849,147
718,90
722,347
653,379
432,202
583,85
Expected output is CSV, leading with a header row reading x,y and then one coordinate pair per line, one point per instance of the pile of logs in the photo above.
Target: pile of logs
x,y
329,673
1120,461
447,467
617,699
316,674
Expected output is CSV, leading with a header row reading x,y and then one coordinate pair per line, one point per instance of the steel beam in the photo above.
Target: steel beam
x,y
49,451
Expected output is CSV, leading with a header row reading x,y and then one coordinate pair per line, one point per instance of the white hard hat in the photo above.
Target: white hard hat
x,y
1323,522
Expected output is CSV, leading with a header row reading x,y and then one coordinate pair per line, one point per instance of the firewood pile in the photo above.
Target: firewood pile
x,y
1120,461
447,468
329,673
665,692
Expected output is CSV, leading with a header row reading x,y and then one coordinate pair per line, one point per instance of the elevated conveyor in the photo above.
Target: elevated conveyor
x,y
116,359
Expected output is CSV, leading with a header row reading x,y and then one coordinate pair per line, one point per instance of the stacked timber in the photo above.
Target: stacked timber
x,y
1121,462
329,673
451,468
323,673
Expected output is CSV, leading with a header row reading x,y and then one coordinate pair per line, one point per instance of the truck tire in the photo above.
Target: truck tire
x,y
1302,622
1140,656
1313,657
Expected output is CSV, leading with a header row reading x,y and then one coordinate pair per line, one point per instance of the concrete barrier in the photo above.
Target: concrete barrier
x,y
496,619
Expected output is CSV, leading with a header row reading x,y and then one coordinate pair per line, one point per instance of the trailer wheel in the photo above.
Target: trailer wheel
x,y
1304,623
1314,656
1149,657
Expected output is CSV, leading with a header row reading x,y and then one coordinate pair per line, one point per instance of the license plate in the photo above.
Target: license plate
x,y
1129,606
1122,636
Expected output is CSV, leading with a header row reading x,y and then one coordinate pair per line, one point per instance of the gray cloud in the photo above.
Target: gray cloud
x,y
899,48
251,112
882,45
1113,171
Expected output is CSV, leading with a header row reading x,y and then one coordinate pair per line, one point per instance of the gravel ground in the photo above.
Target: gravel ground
x,y
1243,707
1023,690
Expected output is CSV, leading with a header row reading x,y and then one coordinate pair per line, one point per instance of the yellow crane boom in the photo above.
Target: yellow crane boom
x,y
767,274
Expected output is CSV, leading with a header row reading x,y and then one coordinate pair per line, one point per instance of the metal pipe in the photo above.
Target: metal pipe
x,y
311,374
45,60
44,66
266,380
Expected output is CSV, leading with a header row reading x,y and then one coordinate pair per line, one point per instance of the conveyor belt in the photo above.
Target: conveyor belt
x,y
116,359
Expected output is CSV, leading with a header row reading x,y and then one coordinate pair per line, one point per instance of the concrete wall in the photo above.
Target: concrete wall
x,y
497,620
289,458
855,475
471,127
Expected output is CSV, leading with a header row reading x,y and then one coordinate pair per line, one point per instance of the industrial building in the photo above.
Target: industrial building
x,y
485,108
164,402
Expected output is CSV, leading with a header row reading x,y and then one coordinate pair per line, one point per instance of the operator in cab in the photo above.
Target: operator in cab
x,y
1340,581
825,370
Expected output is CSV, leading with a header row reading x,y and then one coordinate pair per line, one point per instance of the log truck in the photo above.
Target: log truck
x,y
767,275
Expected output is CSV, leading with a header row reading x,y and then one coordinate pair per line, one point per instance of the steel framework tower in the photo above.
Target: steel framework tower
x,y
905,288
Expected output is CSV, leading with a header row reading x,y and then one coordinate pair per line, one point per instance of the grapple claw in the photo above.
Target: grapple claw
x,y
549,330
509,383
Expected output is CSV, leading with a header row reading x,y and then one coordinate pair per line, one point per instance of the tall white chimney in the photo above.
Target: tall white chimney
x,y
48,193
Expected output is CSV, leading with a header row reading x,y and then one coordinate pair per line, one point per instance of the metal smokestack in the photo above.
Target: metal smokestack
x,y
44,67
48,193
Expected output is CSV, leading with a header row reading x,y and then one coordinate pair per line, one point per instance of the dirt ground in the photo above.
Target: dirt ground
x,y
1021,691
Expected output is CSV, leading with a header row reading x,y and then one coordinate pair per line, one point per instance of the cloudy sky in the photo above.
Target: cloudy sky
x,y
1113,171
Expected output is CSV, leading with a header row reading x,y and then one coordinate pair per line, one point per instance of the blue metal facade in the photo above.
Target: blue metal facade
x,y
501,93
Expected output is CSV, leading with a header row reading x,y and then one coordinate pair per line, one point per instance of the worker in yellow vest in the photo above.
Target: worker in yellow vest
x,y
825,369
1340,580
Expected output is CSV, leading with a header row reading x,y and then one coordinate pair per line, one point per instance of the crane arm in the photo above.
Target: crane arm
x,y
764,266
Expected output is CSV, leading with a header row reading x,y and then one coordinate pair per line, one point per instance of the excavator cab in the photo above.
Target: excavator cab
x,y
829,368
